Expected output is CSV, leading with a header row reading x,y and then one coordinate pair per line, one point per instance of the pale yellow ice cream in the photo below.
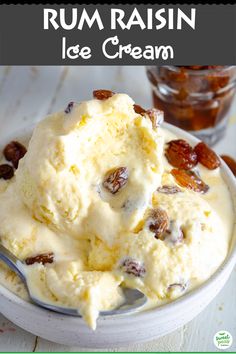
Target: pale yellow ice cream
x,y
58,202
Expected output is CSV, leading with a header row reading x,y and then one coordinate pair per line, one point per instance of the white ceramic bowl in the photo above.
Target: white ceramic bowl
x,y
123,330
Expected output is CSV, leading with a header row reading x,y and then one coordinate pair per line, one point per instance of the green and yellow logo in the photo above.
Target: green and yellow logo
x,y
223,340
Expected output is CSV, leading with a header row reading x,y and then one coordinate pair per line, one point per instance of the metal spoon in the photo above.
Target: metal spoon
x,y
134,299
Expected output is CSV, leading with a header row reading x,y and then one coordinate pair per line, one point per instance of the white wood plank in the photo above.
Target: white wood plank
x,y
171,342
26,95
78,84
13,338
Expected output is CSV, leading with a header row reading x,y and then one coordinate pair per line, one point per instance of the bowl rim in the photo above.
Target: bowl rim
x,y
225,267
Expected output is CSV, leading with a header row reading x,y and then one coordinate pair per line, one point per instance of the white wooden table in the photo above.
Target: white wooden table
x,y
27,94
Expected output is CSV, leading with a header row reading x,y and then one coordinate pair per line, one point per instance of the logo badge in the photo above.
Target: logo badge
x,y
223,340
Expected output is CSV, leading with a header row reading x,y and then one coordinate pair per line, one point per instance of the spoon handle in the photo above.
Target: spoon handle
x,y
12,261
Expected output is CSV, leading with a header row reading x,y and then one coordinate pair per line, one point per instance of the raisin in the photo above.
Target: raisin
x,y
6,171
230,162
202,67
168,189
13,152
155,116
102,94
116,179
133,267
195,67
218,82
174,234
181,155
180,286
182,94
69,107
190,180
158,222
41,258
206,156
139,110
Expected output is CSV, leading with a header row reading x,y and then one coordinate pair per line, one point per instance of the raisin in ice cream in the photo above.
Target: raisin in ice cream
x,y
106,198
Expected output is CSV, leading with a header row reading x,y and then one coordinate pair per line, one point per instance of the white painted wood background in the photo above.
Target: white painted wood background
x,y
27,94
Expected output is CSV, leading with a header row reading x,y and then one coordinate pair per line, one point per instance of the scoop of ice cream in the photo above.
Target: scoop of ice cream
x,y
73,162
179,258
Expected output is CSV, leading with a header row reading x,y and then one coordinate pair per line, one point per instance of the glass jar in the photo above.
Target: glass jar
x,y
194,98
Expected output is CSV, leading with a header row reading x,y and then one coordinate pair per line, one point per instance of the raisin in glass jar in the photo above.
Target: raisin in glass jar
x,y
195,98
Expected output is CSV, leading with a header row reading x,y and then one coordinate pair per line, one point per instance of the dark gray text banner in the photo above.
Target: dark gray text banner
x,y
127,35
